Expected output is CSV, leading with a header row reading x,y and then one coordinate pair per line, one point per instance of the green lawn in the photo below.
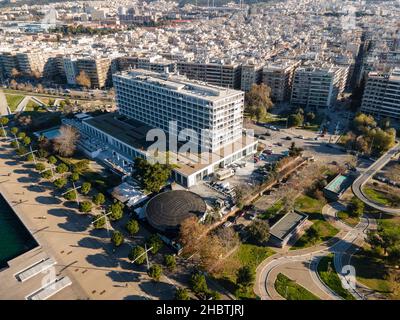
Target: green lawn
x,y
382,197
346,218
324,230
33,106
328,275
314,127
310,206
14,100
371,272
272,210
290,290
246,255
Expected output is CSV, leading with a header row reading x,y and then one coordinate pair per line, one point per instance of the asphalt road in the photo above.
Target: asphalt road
x,y
368,173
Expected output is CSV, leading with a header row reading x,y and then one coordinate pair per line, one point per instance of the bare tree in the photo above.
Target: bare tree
x,y
65,143
83,79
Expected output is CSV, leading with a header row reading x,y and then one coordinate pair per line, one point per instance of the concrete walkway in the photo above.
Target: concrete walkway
x,y
306,260
4,109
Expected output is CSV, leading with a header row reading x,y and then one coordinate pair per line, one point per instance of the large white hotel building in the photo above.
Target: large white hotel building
x,y
148,100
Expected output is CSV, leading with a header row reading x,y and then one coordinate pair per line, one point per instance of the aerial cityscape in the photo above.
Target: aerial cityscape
x,y
200,150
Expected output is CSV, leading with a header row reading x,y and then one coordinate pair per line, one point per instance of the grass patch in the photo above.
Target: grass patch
x,y
13,100
314,127
272,210
319,232
328,275
246,255
372,273
382,197
312,207
290,290
346,218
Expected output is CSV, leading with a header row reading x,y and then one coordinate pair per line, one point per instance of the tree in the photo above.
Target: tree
x,y
295,120
212,295
151,176
244,276
83,79
85,207
60,183
14,130
99,199
182,294
52,160
81,166
40,166
47,174
29,157
26,141
260,113
155,272
65,143
132,227
170,261
191,235
21,135
4,121
74,177
117,238
15,73
310,116
356,207
116,210
259,231
295,151
313,234
137,253
259,96
62,168
85,189
198,283
99,223
70,195
155,242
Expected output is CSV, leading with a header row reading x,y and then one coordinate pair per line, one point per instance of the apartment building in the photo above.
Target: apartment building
x,y
381,96
156,99
98,70
31,62
279,77
157,63
250,74
222,75
8,62
318,86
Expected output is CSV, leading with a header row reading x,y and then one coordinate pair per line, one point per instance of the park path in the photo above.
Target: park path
x,y
4,110
307,259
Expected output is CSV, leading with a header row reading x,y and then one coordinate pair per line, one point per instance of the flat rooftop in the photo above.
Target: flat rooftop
x,y
179,84
287,224
133,133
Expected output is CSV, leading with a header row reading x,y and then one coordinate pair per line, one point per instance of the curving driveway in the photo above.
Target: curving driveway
x,y
343,245
367,174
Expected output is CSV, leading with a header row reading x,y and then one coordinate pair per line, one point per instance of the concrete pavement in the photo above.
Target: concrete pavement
x,y
4,110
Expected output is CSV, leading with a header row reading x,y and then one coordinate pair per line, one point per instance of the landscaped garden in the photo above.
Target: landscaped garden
x,y
321,230
13,100
290,290
382,195
247,255
328,275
